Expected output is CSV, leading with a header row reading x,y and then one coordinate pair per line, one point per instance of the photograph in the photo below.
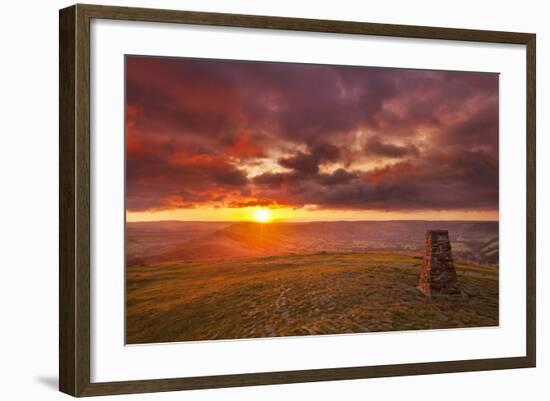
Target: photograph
x,y
271,199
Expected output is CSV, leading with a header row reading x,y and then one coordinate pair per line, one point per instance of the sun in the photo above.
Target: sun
x,y
262,215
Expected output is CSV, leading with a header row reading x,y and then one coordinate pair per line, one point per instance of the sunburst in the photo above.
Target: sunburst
x,y
263,215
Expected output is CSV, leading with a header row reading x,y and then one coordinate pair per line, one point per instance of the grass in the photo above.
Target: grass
x,y
322,293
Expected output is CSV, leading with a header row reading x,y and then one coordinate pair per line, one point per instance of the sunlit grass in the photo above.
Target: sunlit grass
x,y
322,293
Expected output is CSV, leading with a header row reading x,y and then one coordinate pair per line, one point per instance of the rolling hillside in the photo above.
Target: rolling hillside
x,y
160,242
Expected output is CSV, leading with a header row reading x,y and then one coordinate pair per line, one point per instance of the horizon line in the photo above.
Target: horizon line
x,y
315,221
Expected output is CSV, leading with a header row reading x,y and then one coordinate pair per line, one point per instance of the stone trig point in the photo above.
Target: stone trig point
x,y
438,275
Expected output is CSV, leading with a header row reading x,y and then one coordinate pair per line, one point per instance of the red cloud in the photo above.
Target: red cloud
x,y
198,131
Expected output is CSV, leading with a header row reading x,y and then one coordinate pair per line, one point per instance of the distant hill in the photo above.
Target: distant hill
x,y
157,242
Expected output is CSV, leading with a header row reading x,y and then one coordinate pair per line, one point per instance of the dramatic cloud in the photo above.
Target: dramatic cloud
x,y
308,163
237,134
377,148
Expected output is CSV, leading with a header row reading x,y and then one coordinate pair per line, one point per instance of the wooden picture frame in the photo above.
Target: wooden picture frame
x,y
74,200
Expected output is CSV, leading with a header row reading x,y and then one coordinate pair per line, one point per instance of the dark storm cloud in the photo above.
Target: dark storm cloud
x,y
463,181
337,177
375,147
229,176
195,127
302,162
308,163
271,180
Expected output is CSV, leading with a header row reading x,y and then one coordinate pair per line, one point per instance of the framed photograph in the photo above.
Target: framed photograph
x,y
250,200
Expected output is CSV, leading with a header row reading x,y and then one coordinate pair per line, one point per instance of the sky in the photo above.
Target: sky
x,y
217,140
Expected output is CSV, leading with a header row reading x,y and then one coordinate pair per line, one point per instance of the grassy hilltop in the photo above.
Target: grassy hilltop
x,y
298,294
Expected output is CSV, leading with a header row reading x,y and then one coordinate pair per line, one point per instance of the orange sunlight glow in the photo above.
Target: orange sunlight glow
x,y
263,215
287,214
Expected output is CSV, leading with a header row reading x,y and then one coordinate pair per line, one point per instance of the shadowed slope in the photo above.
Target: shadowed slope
x,y
165,242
